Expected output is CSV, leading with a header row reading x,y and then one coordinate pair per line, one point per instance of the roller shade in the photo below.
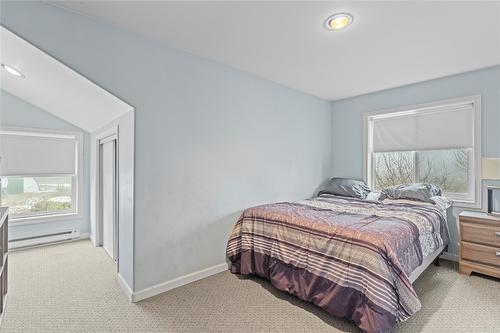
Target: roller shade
x,y
26,153
437,128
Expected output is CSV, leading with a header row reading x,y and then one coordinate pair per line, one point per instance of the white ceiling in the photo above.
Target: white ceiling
x,y
390,44
54,87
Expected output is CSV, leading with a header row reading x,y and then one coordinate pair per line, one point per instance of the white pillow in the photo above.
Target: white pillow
x,y
442,202
372,196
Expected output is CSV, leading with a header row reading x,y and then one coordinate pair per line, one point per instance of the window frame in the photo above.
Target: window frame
x,y
77,179
474,199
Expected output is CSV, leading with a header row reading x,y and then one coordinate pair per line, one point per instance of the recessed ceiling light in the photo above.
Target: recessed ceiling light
x,y
338,21
12,70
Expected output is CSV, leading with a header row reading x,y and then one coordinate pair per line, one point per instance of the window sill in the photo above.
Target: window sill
x,y
44,218
465,204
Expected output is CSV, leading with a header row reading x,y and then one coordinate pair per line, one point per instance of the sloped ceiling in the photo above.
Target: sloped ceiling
x,y
390,43
54,87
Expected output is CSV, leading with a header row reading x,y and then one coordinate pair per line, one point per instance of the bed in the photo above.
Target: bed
x,y
355,258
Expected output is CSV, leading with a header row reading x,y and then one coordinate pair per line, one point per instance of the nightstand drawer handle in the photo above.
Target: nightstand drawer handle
x,y
497,233
497,254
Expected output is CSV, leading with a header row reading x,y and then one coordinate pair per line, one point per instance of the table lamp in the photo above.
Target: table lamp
x,y
491,170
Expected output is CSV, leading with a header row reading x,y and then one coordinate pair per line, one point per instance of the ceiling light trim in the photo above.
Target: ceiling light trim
x,y
329,19
13,71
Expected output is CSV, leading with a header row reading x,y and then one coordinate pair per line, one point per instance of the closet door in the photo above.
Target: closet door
x,y
108,193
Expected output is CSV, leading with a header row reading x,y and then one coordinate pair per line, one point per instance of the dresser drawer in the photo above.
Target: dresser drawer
x,y
483,234
481,253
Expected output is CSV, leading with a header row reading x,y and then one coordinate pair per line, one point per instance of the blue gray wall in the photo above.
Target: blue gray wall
x,y
347,122
15,112
210,141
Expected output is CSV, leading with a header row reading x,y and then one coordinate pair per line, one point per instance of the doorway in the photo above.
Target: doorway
x,y
108,203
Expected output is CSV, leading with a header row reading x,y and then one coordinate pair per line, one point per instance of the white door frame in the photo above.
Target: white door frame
x,y
106,136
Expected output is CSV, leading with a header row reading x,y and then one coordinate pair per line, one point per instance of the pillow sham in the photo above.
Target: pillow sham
x,y
442,203
407,201
346,187
418,192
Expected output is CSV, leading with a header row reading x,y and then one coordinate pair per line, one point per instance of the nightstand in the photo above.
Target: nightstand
x,y
479,243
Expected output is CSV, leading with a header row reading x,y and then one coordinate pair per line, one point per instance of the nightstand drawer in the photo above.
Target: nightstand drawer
x,y
481,253
483,234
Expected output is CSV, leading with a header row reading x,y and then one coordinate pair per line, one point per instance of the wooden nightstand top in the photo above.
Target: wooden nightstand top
x,y
479,216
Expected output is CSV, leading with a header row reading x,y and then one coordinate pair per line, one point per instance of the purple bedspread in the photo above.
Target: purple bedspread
x,y
348,256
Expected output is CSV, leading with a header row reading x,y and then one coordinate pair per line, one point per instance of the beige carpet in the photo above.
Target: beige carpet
x,y
72,287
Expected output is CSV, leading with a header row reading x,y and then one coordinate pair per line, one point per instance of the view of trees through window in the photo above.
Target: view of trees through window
x,y
37,195
446,168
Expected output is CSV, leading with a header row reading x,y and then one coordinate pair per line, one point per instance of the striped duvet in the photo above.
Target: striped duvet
x,y
348,256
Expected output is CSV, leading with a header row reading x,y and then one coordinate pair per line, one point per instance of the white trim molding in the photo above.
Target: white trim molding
x,y
92,239
125,287
85,235
177,282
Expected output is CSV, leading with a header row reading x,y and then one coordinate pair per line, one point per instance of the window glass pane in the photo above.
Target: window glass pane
x,y
445,168
392,169
26,196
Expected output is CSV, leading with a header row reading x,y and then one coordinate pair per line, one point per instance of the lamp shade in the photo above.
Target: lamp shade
x,y
491,168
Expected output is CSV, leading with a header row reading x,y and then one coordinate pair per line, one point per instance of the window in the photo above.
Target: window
x,y
437,143
447,168
31,196
39,173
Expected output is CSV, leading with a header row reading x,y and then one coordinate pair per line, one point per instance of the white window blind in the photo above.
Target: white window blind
x,y
443,127
29,153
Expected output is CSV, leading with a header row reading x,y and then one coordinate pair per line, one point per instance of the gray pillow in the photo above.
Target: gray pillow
x,y
346,187
419,192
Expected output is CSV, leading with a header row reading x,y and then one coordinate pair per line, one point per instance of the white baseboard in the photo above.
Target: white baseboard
x,y
125,287
92,239
450,256
177,282
84,236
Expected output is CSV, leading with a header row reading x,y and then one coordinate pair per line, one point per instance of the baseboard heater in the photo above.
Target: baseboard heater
x,y
43,239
